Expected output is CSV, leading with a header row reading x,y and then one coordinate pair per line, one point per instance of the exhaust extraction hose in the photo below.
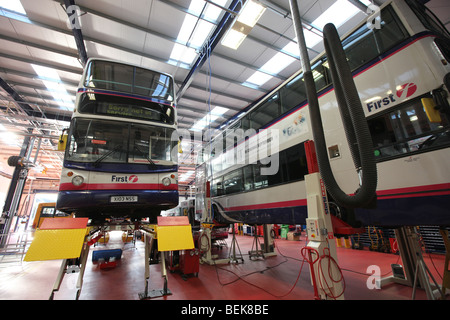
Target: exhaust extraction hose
x,y
355,126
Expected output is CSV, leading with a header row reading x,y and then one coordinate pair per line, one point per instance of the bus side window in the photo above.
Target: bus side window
x,y
293,94
407,129
232,182
296,165
266,112
248,178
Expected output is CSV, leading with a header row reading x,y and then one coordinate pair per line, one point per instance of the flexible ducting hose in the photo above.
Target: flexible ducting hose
x,y
355,126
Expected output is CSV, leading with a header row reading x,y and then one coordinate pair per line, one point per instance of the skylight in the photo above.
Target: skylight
x,y
277,63
251,13
52,81
210,117
194,31
245,21
338,13
14,5
218,111
259,78
233,39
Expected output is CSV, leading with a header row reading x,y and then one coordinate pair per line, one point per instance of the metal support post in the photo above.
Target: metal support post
x,y
150,243
256,245
422,270
83,260
405,250
15,191
233,257
414,268
165,290
59,278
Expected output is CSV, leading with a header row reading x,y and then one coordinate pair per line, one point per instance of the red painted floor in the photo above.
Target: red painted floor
x,y
273,278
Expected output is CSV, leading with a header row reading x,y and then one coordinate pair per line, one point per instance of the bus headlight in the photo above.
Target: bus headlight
x,y
166,182
77,180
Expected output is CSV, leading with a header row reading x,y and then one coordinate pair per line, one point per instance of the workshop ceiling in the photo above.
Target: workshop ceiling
x,y
37,37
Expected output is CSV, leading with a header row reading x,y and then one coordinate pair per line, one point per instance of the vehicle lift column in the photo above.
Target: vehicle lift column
x,y
170,234
415,271
319,228
206,231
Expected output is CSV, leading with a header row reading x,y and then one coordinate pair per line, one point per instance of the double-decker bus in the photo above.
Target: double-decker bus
x,y
402,74
120,157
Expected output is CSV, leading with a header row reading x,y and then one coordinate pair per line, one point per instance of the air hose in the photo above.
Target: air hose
x,y
355,126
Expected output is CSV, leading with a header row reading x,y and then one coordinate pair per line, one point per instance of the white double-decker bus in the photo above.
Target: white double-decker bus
x,y
118,160
402,74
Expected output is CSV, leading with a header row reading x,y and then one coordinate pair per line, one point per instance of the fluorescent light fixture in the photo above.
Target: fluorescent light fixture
x,y
338,13
13,5
233,39
251,13
243,24
52,81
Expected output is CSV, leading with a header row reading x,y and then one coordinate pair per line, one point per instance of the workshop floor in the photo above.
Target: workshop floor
x,y
273,278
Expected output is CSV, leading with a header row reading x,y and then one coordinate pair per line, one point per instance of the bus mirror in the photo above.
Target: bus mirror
x,y
430,109
62,142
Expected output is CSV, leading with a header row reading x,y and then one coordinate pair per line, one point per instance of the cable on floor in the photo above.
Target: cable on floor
x,y
241,277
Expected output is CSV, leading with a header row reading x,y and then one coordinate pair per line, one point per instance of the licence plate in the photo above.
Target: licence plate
x,y
124,198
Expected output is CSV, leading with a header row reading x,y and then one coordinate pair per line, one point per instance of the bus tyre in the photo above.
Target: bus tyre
x,y
15,161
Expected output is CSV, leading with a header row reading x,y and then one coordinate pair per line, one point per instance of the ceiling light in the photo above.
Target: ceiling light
x,y
243,24
233,39
251,13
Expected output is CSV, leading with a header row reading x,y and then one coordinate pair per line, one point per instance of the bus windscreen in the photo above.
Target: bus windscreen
x,y
120,77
